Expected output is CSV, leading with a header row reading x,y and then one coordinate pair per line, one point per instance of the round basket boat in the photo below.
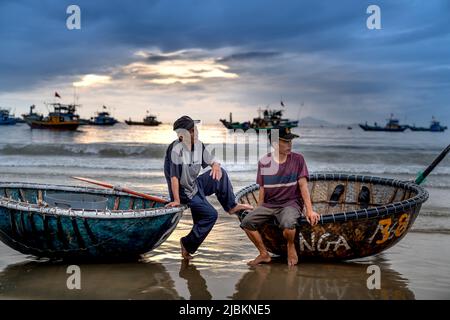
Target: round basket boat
x,y
125,227
359,216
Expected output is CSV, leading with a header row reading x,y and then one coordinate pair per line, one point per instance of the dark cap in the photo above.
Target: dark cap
x,y
284,133
185,122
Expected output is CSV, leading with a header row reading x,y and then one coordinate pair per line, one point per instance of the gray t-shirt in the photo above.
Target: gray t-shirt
x,y
186,165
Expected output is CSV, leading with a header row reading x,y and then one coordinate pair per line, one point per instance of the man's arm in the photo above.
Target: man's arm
x,y
209,160
175,184
311,216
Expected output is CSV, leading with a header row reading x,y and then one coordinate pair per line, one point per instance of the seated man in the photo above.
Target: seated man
x,y
283,194
184,159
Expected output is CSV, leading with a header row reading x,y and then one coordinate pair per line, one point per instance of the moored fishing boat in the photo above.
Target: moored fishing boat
x,y
359,216
6,118
32,115
270,119
103,118
392,125
149,120
38,219
62,117
435,126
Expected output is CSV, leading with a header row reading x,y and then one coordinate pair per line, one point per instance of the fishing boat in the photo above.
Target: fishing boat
x,y
6,118
103,118
31,115
270,119
63,117
359,215
72,222
149,120
392,125
84,122
435,126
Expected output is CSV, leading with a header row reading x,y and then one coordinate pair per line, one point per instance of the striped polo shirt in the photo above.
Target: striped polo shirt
x,y
280,181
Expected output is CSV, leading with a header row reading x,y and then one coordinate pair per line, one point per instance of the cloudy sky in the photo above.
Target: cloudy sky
x,y
207,58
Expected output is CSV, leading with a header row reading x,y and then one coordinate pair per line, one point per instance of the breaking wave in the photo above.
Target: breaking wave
x,y
91,149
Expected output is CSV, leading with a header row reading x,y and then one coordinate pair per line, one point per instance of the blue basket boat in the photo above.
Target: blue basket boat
x,y
48,221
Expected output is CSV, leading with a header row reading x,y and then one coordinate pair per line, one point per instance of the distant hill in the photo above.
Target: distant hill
x,y
314,122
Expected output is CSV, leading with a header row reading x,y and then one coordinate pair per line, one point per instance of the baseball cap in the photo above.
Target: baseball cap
x,y
185,122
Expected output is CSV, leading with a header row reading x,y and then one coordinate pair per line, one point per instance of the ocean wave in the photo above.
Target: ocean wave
x,y
431,230
435,213
439,178
91,149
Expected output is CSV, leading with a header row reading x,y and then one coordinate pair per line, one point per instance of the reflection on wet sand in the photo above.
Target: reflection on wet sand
x,y
47,280
320,281
196,284
151,280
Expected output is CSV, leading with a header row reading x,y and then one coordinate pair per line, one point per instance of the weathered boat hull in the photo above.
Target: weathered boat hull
x,y
441,129
136,123
109,123
348,228
9,122
129,227
65,126
373,128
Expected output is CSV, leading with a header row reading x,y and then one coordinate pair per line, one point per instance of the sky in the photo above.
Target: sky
x,y
209,58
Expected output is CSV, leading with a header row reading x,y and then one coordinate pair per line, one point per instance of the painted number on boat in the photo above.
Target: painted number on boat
x,y
388,230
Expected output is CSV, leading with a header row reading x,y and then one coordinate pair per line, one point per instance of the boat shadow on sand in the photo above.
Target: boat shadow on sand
x,y
275,281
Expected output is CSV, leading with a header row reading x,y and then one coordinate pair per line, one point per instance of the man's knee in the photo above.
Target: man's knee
x,y
248,224
289,218
212,214
224,173
288,224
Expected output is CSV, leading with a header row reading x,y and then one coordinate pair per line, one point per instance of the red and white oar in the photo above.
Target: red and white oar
x,y
122,189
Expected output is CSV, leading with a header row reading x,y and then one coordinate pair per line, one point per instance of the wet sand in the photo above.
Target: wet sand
x,y
416,268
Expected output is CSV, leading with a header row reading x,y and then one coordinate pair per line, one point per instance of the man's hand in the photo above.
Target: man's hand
x,y
312,217
216,171
172,204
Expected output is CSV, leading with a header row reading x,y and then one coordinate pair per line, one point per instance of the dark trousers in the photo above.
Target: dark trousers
x,y
203,213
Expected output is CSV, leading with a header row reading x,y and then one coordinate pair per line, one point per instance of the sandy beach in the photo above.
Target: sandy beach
x,y
416,268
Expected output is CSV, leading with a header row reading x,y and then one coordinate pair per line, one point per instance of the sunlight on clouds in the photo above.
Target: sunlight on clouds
x,y
182,71
92,79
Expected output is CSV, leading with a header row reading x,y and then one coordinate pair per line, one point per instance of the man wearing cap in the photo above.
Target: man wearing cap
x,y
185,157
283,195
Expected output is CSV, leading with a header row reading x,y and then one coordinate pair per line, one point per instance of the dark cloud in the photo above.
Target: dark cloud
x,y
268,43
243,56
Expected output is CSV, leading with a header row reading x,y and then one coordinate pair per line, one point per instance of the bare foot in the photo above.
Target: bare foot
x,y
262,258
239,207
184,253
292,259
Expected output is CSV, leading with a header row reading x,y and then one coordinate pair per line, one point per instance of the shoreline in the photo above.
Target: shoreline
x,y
413,269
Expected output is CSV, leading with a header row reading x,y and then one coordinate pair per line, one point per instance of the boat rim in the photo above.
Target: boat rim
x,y
361,214
101,214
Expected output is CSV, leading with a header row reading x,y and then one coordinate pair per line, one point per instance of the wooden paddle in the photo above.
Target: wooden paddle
x,y
122,189
422,175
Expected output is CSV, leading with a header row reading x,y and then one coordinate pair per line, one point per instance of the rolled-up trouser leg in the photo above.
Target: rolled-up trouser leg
x,y
256,218
287,217
204,217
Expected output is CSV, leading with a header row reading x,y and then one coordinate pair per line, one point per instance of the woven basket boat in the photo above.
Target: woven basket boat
x,y
360,216
127,227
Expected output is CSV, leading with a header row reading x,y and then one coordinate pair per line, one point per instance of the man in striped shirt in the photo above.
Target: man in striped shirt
x,y
283,194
